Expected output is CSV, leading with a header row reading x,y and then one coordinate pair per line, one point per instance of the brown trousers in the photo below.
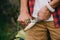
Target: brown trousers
x,y
39,31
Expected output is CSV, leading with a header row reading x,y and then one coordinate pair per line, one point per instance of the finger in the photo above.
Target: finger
x,y
24,23
19,19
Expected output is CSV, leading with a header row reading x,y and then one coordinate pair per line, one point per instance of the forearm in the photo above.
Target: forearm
x,y
54,3
24,8
23,5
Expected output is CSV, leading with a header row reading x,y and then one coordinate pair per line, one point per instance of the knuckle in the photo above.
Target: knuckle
x,y
19,20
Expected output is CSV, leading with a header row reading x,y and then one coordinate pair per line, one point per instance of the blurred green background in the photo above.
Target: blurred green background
x,y
9,11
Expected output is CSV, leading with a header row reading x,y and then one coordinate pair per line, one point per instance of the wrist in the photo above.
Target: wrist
x,y
54,3
51,9
23,8
24,11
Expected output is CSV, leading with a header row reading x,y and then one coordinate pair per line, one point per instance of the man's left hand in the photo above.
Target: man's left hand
x,y
44,14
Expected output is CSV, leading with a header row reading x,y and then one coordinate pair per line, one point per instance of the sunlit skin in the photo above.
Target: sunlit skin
x,y
42,15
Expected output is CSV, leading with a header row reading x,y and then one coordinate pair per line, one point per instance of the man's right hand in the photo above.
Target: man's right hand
x,y
24,15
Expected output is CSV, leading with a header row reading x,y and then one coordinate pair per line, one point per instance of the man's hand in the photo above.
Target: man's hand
x,y
24,15
44,14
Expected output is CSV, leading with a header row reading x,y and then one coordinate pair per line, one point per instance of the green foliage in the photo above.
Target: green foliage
x,y
9,10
